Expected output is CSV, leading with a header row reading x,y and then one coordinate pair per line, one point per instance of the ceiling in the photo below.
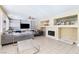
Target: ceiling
x,y
37,11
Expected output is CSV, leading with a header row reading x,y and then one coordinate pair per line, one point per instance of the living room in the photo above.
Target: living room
x,y
39,29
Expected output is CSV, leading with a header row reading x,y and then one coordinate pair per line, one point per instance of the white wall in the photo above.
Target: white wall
x,y
0,29
0,24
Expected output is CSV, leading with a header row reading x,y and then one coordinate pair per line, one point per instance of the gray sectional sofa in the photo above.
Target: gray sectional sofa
x,y
16,36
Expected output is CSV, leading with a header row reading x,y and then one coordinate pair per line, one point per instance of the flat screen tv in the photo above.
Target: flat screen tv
x,y
24,26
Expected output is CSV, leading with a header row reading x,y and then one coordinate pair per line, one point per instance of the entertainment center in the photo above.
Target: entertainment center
x,y
18,25
65,27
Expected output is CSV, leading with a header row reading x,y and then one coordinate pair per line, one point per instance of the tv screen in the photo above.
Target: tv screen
x,y
24,26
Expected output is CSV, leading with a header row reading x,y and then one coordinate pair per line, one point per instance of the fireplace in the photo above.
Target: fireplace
x,y
51,33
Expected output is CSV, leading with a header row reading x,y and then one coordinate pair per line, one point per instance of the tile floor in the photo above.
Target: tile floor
x,y
47,46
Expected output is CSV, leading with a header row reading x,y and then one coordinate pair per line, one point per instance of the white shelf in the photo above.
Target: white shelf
x,y
66,26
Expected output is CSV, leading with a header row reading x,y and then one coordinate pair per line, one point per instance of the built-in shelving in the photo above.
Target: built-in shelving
x,y
44,23
68,20
66,27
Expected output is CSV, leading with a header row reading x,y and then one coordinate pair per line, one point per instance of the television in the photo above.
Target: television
x,y
24,26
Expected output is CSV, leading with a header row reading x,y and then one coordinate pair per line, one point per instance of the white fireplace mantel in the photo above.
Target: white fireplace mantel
x,y
52,29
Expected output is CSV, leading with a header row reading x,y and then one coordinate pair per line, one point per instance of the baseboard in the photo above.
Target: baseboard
x,y
8,43
66,41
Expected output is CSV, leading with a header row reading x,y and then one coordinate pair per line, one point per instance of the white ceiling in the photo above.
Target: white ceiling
x,y
38,11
